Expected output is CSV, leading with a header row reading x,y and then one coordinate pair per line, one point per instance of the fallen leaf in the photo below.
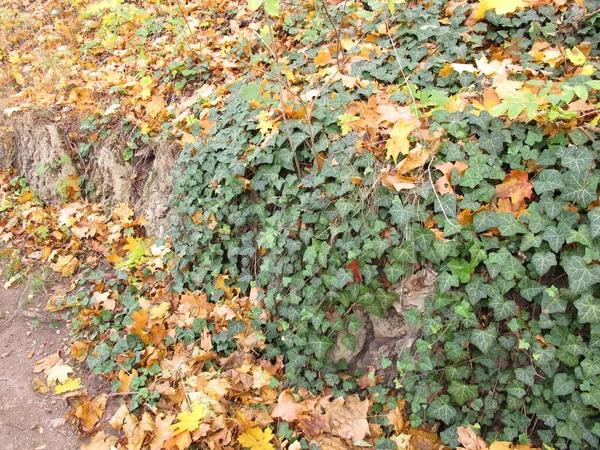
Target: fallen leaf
x,y
189,420
257,439
58,374
67,386
398,143
443,184
469,440
101,441
515,186
287,408
66,265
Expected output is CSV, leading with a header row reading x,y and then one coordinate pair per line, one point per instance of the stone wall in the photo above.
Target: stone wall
x,y
33,145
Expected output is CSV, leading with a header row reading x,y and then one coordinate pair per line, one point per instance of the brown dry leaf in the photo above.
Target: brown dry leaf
x,y
396,416
469,440
101,441
323,58
416,158
161,432
155,106
287,408
45,364
443,184
348,417
90,412
327,442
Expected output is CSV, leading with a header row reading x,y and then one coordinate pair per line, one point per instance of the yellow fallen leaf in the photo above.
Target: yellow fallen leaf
x,y
500,6
398,142
257,439
59,374
66,265
189,420
40,386
575,56
68,386
160,311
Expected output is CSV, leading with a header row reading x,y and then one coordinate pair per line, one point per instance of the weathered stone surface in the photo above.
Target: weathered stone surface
x,y
388,336
153,203
32,144
41,156
112,178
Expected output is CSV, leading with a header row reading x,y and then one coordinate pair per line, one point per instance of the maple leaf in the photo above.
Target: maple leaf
x,y
416,158
66,265
499,6
101,441
515,186
443,184
469,440
189,420
323,58
45,364
59,373
396,417
287,408
575,56
257,439
67,386
89,411
160,311
398,142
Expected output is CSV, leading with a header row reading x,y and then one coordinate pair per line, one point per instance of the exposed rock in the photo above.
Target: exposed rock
x,y
388,336
41,156
32,144
112,178
154,198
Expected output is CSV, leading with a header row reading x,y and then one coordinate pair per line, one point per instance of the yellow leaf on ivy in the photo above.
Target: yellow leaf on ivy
x,y
500,6
398,142
257,439
160,311
189,420
67,386
575,56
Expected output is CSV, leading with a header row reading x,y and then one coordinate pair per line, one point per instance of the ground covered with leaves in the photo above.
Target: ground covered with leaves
x,y
330,151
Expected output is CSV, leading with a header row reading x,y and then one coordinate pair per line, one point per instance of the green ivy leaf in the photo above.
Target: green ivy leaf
x,y
319,345
462,393
594,218
543,262
588,309
441,411
581,277
485,339
562,385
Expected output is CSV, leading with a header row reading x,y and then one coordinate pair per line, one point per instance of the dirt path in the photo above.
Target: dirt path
x,y
28,419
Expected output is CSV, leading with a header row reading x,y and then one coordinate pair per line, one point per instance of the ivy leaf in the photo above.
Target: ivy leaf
x,y
400,214
570,430
441,411
525,375
543,262
581,277
588,309
320,345
509,226
562,385
485,339
594,218
548,180
462,393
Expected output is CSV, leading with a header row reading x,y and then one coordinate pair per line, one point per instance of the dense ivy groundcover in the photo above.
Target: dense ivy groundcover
x,y
298,214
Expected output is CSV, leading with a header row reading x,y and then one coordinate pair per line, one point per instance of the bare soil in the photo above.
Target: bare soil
x,y
29,420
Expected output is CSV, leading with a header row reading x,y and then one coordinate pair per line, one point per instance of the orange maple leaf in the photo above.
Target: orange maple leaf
x,y
515,186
